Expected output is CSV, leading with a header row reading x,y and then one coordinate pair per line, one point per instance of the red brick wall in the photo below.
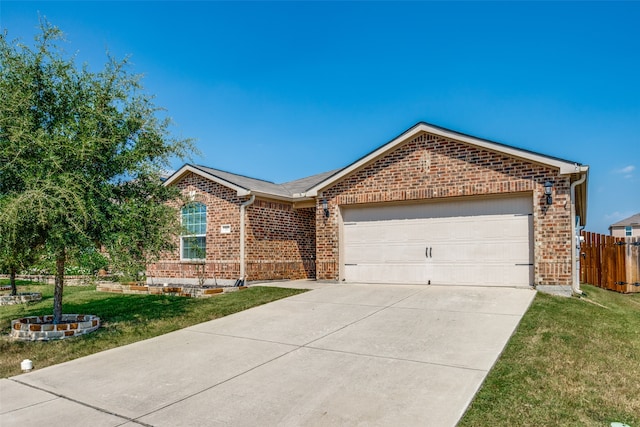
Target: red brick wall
x,y
280,240
431,167
223,250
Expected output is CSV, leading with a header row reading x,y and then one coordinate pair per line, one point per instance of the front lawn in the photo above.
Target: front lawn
x,y
572,362
126,319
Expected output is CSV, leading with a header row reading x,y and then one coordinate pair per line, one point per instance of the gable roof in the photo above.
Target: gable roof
x,y
309,187
566,167
632,220
244,185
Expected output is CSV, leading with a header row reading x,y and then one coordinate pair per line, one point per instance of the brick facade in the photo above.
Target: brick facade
x,y
280,240
433,167
286,237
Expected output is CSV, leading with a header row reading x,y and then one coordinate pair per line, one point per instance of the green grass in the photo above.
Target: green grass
x,y
126,319
572,362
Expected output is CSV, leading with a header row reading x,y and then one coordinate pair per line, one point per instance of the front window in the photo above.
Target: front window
x,y
193,242
628,231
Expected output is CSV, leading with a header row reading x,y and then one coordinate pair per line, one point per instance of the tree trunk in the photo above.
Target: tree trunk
x,y
57,293
12,281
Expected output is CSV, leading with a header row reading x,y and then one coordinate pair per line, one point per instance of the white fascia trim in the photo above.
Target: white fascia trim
x,y
297,197
188,168
271,196
302,198
566,168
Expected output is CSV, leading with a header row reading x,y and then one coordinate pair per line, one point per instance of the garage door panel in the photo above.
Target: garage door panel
x,y
386,273
462,251
441,229
384,253
443,210
480,242
442,274
473,252
502,274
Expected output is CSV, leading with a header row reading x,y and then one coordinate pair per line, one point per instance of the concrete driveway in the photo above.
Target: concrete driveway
x,y
337,355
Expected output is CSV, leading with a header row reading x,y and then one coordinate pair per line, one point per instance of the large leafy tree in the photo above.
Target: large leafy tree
x,y
81,157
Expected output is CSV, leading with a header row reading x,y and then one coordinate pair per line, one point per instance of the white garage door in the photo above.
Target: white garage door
x,y
483,241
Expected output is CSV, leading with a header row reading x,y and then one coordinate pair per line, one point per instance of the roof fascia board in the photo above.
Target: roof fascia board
x,y
190,168
565,167
307,203
297,198
270,196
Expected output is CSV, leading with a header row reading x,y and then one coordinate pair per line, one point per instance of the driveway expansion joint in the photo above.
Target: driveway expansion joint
x,y
79,402
400,359
243,338
214,385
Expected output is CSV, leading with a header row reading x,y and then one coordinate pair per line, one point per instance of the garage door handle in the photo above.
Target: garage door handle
x,y
427,252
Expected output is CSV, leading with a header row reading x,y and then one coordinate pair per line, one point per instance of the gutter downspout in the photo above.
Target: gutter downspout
x,y
575,240
243,207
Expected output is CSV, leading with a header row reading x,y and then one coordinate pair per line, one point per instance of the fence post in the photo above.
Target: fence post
x,y
633,264
621,274
599,248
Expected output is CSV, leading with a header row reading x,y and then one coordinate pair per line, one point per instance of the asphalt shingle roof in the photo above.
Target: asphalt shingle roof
x,y
632,220
287,189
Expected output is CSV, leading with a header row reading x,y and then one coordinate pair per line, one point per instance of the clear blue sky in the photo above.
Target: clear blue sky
x,y
280,91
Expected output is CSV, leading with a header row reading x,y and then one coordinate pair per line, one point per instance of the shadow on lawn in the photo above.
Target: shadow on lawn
x,y
122,308
111,308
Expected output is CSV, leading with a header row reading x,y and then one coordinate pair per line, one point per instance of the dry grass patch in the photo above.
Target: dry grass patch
x,y
571,362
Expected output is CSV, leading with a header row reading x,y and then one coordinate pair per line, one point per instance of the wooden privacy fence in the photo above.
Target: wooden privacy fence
x,y
610,262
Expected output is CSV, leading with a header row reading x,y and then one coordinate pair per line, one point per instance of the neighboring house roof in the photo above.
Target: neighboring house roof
x,y
632,220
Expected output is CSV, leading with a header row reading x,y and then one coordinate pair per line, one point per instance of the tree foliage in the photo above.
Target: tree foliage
x,y
18,252
81,157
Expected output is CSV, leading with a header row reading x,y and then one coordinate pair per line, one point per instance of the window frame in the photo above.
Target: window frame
x,y
628,231
200,233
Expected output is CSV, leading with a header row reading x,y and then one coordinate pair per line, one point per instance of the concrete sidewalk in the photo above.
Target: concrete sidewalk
x,y
337,355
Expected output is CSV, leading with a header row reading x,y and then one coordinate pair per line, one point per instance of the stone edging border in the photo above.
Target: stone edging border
x,y
175,290
20,298
41,328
